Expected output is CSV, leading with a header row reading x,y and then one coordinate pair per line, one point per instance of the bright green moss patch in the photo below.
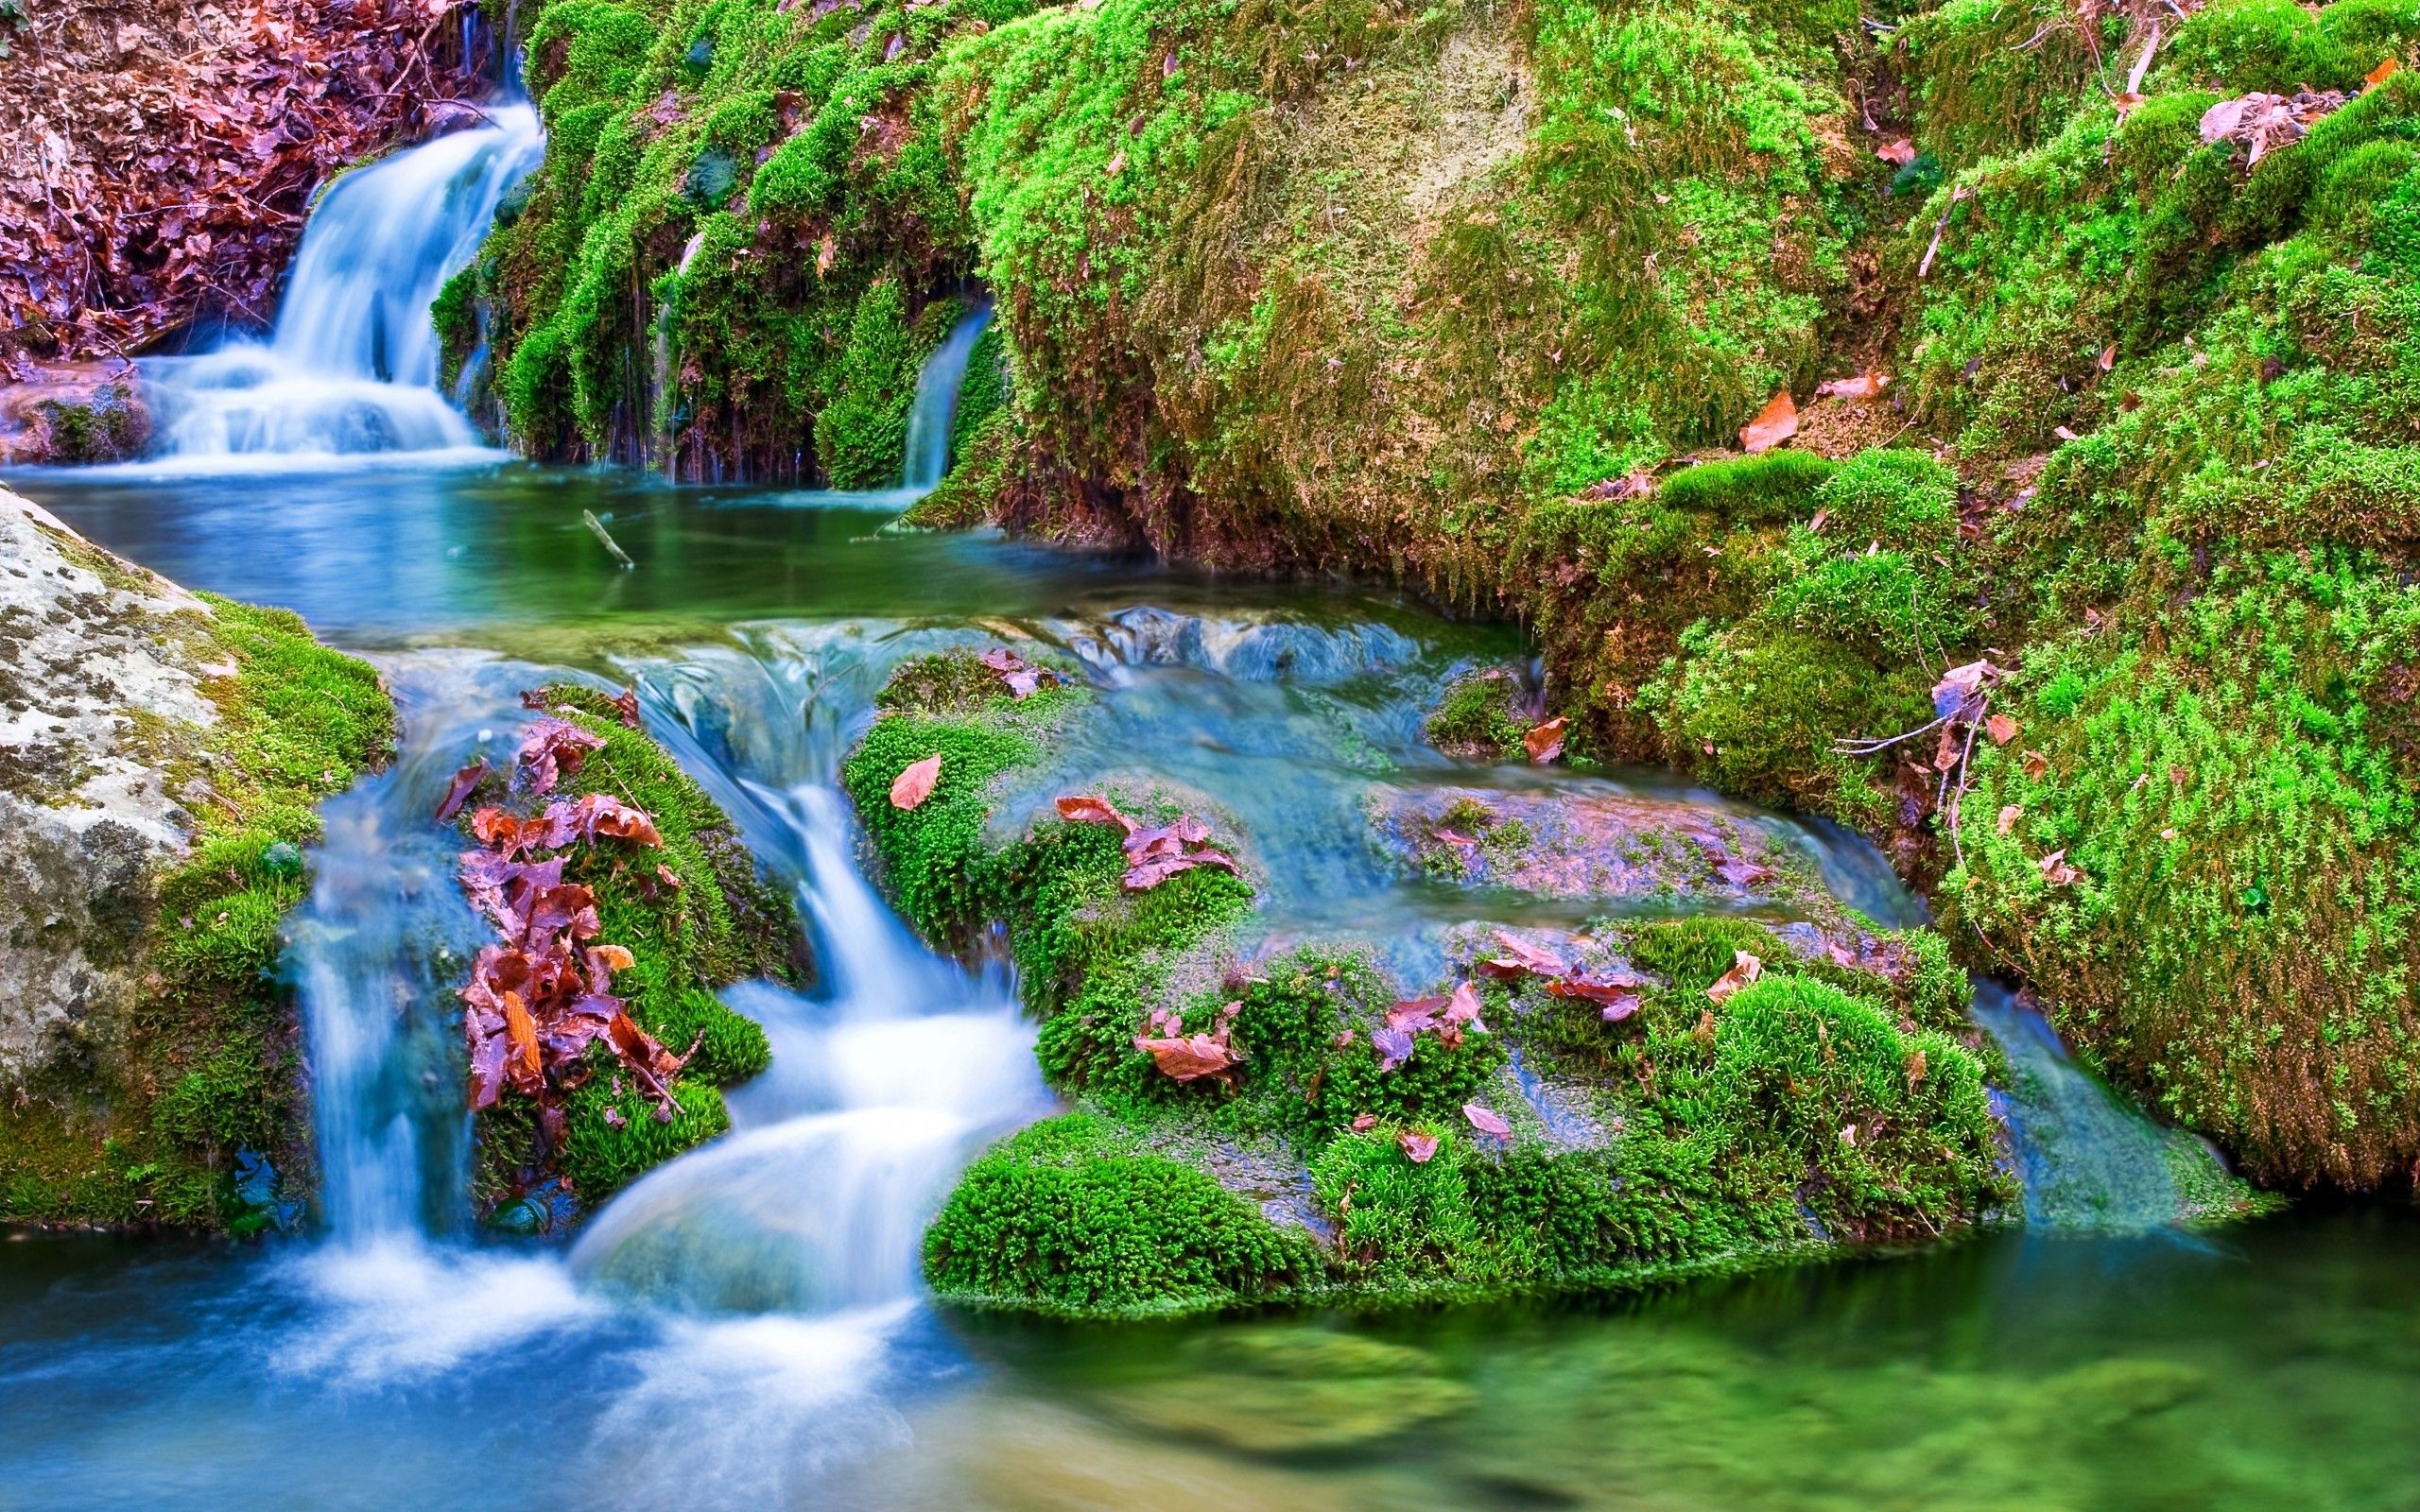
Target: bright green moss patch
x,y
149,1131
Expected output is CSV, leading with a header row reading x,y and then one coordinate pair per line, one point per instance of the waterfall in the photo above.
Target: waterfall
x,y
2089,1158
883,1084
936,408
352,365
376,953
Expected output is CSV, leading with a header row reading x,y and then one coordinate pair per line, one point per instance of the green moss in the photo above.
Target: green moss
x,y
109,429
149,1131
1074,1217
1478,716
1771,489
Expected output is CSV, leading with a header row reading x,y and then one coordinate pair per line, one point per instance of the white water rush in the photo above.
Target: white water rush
x,y
351,369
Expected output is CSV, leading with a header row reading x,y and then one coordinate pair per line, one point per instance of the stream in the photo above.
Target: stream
x,y
744,1327
746,1322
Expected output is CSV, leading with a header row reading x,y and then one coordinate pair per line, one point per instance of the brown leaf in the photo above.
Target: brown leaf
x,y
1486,1120
1774,424
1521,958
1086,809
457,792
1545,742
915,782
626,704
1898,154
1959,694
1915,1067
2036,765
2002,729
1744,969
1364,1123
2108,357
521,1066
1188,1058
2056,871
2009,815
1867,385
2379,75
1422,1148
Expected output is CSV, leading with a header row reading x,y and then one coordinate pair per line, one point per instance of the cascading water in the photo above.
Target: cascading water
x,y
882,1087
351,366
936,407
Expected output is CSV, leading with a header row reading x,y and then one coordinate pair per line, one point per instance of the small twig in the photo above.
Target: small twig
x,y
1868,748
596,528
1961,192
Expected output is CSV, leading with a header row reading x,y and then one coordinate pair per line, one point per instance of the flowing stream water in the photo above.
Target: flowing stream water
x,y
744,1326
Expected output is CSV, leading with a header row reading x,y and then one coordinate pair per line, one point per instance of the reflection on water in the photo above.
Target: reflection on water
x,y
2273,1370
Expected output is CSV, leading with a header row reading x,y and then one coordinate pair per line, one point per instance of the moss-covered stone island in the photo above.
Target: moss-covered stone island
x,y
1768,363
1336,1153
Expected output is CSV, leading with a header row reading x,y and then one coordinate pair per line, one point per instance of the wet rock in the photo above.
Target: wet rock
x,y
1283,1389
73,412
1584,841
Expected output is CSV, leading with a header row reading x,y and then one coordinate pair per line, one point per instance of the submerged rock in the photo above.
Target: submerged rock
x,y
73,412
160,756
1595,841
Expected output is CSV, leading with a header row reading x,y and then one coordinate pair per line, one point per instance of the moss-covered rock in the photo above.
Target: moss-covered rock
x,y
166,756
1333,1156
697,914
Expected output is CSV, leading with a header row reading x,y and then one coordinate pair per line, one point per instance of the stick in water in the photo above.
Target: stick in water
x,y
596,528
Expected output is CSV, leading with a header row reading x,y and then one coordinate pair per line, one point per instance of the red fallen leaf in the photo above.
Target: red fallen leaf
x,y
1898,154
1486,1121
487,1070
1744,969
1190,1057
1867,385
1620,1008
1545,742
1364,1123
598,816
1774,424
626,704
2381,74
1086,809
552,750
1455,837
1416,1014
457,792
915,782
1393,1047
2002,729
1463,1008
1421,1148
1617,994
1521,958
1740,872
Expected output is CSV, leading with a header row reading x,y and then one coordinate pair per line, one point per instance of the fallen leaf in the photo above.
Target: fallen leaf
x,y
1086,809
1744,969
915,782
1190,1057
2009,815
1486,1120
2056,871
457,792
1420,1147
1898,154
2002,729
1392,1045
2108,357
626,704
1959,694
1545,742
1364,1123
1774,424
2035,765
1521,958
1867,385
1915,1067
2379,75
552,750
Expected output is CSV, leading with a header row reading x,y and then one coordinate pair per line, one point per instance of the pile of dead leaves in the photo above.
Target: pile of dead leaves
x,y
157,160
1154,852
1022,679
2262,123
541,995
1615,992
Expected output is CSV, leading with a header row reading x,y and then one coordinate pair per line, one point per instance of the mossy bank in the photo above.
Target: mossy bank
x,y
164,753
